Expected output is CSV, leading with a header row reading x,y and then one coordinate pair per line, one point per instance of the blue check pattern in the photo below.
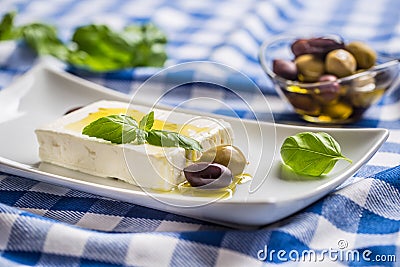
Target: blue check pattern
x,y
47,225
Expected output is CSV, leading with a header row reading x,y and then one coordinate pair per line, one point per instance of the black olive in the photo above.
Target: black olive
x,y
208,175
285,69
317,46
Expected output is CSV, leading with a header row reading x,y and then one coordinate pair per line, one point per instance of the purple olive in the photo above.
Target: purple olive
x,y
300,47
324,45
208,175
316,46
327,93
285,69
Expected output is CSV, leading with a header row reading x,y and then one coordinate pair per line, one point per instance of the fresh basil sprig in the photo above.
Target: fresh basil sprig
x,y
122,129
313,154
93,47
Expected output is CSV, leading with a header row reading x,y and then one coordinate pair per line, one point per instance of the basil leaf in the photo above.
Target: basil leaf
x,y
43,39
7,30
118,129
313,154
172,139
146,123
94,47
102,49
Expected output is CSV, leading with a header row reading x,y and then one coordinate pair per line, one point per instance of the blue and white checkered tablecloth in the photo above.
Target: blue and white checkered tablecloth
x,y
47,225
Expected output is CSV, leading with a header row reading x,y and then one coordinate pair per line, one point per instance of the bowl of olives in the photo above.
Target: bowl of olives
x,y
326,79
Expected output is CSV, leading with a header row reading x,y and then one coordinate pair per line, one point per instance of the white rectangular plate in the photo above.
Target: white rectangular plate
x,y
44,94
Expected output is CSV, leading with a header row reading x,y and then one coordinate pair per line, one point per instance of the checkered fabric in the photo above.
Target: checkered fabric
x,y
46,225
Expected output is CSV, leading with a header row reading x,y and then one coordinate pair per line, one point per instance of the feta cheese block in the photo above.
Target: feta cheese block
x,y
62,143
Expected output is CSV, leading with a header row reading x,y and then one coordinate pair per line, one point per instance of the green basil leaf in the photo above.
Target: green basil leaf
x,y
93,47
117,129
7,30
146,123
313,154
152,34
172,139
149,45
102,49
43,39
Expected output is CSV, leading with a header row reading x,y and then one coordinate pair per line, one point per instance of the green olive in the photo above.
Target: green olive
x,y
364,55
227,155
364,83
340,63
364,91
310,67
365,99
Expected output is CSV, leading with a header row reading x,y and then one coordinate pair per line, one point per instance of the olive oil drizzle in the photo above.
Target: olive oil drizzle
x,y
185,188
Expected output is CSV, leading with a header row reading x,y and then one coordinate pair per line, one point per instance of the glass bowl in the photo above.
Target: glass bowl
x,y
330,102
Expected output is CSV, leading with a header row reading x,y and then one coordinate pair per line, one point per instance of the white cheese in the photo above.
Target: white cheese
x,y
62,143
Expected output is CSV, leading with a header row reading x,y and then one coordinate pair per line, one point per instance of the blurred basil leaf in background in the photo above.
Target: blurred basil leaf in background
x,y
93,47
